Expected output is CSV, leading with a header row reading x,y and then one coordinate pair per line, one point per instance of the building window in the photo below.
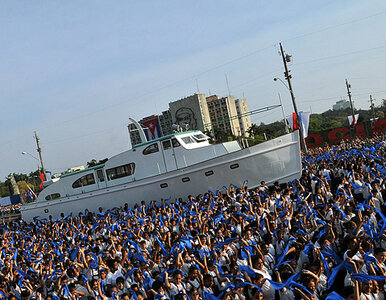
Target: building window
x,y
153,148
84,181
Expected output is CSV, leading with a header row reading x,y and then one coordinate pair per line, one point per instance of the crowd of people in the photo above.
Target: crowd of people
x,y
319,237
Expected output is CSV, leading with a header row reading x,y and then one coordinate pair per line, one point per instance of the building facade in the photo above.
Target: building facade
x,y
135,139
166,122
341,104
243,116
226,114
229,115
192,110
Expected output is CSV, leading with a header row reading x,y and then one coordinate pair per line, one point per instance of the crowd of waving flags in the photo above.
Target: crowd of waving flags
x,y
46,258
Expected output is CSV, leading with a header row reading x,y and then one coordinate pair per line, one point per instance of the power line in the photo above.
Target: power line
x,y
230,62
336,97
336,26
223,65
340,55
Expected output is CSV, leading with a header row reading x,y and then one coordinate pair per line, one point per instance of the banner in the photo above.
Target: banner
x,y
337,135
305,121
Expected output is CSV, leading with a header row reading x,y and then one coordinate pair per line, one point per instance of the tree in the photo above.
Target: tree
x,y
253,130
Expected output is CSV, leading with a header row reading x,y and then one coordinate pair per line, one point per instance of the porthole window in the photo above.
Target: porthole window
x,y
52,196
209,173
185,179
234,166
164,185
55,196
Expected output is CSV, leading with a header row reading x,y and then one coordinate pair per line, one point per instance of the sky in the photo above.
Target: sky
x,y
75,71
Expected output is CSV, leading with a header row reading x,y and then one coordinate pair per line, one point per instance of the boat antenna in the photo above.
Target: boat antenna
x,y
140,130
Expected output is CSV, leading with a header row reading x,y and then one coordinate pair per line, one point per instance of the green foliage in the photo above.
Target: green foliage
x,y
4,190
325,121
22,180
271,130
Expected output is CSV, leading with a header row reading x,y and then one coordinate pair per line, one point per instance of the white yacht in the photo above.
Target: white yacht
x,y
173,166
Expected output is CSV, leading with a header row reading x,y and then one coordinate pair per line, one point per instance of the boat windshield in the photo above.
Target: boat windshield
x,y
200,137
188,140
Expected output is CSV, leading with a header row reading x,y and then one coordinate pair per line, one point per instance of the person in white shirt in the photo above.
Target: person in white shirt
x,y
114,273
177,285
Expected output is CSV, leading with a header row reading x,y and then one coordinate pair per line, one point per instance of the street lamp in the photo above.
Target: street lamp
x,y
287,58
304,147
34,177
277,78
39,161
24,153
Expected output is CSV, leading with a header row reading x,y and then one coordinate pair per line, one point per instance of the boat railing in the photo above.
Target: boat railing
x,y
243,142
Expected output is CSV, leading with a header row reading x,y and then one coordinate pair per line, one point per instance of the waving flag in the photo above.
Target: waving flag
x,y
152,128
304,120
353,121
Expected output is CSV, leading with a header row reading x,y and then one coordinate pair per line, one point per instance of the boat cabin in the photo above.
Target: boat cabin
x,y
166,154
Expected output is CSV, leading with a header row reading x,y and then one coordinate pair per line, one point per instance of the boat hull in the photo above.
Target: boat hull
x,y
275,160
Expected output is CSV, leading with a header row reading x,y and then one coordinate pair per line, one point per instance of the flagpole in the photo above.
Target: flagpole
x,y
348,86
33,193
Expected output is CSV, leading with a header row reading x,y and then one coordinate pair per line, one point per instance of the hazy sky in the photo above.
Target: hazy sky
x,y
75,71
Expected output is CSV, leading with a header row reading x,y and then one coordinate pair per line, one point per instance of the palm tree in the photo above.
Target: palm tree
x,y
253,130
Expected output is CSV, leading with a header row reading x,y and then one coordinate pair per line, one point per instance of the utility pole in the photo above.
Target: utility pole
x,y
372,109
352,106
40,154
288,77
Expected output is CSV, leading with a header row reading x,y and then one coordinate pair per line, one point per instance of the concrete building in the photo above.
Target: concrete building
x,y
133,134
192,110
166,122
229,114
223,114
341,104
243,115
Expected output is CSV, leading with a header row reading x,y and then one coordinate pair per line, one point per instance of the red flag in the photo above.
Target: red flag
x,y
295,122
42,178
